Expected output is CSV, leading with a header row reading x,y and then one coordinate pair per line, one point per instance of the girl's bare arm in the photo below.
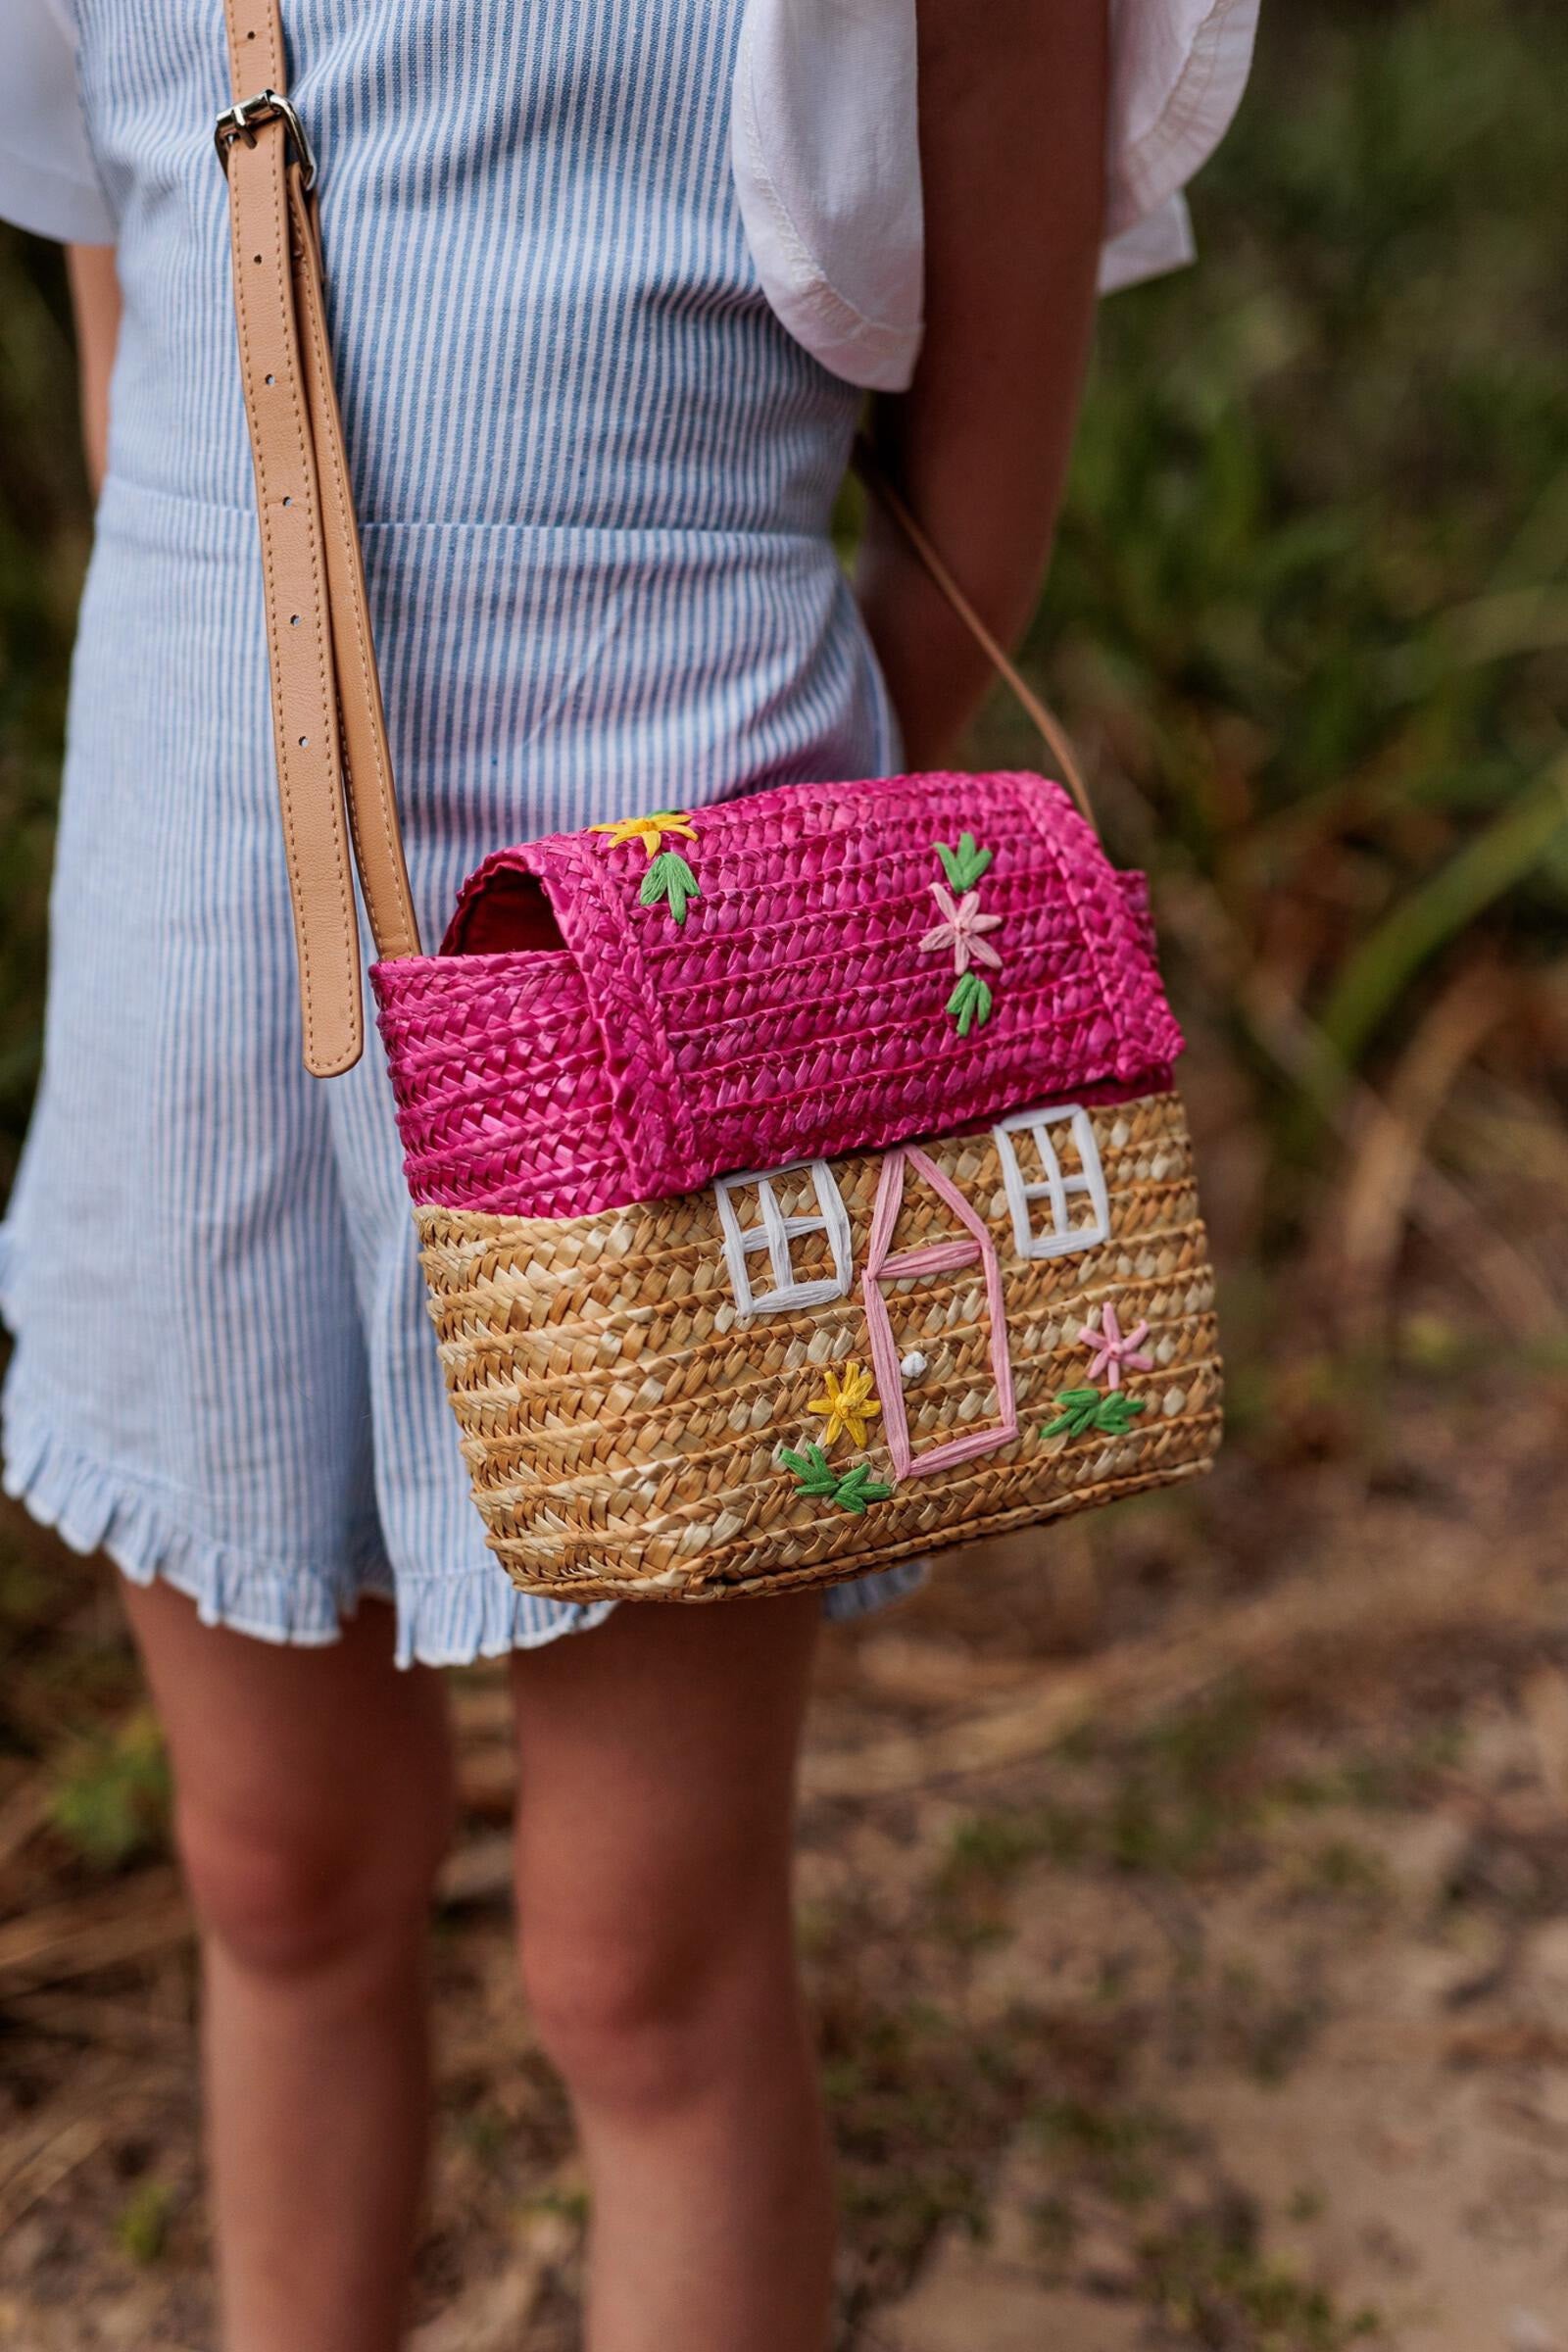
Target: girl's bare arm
x,y
95,299
1012,130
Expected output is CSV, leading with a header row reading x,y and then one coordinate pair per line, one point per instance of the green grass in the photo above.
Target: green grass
x,y
1193,1800
1170,1802
1120,2151
919,2108
1225,2295
111,1795
142,2227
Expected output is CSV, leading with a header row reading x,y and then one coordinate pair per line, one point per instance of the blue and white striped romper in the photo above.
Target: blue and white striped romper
x,y
595,476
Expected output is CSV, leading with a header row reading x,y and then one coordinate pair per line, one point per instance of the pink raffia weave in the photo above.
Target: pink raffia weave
x,y
791,1174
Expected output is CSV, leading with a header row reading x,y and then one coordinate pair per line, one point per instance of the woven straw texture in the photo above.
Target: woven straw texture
x,y
791,1011
624,1419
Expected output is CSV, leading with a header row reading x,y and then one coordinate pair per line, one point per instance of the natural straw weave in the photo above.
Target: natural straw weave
x,y
623,1421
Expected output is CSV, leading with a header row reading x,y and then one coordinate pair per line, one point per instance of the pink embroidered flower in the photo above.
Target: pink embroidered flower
x,y
1115,1348
960,929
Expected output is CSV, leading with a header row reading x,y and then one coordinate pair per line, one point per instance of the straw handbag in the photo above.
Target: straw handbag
x,y
800,1180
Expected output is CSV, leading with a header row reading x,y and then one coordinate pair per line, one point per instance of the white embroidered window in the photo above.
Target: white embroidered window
x,y
1054,1183
786,1238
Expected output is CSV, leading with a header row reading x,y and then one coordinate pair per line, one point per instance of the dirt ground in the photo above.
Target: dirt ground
x,y
1185,1899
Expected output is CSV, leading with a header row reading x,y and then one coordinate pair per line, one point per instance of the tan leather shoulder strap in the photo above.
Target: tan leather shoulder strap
x,y
371,794
325,693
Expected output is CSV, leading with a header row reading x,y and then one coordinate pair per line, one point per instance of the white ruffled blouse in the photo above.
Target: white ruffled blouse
x,y
825,147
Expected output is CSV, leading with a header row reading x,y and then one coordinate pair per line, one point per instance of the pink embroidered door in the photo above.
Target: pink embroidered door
x,y
979,1343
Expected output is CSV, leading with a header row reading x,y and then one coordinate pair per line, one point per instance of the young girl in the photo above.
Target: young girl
x,y
608,285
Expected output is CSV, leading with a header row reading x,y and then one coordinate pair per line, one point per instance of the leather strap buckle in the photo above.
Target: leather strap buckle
x,y
240,121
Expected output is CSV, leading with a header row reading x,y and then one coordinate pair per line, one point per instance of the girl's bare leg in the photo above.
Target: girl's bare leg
x,y
312,1800
654,1839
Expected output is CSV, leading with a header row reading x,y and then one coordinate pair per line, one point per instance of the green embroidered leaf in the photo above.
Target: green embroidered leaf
x,y
856,1488
1115,1416
1080,1411
970,1003
964,866
669,880
1075,1409
814,1476
813,1472
1075,1412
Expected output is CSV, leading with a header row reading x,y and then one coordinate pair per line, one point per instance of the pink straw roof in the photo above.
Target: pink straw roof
x,y
793,975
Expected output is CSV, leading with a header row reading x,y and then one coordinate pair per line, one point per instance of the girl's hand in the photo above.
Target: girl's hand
x,y
1012,141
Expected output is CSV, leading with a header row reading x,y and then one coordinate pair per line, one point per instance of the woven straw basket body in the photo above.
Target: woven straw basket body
x,y
800,1187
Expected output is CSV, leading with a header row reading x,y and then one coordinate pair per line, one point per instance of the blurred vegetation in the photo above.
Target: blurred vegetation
x,y
111,1795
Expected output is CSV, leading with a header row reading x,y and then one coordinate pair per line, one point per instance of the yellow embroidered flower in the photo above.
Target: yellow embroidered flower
x,y
649,830
848,1404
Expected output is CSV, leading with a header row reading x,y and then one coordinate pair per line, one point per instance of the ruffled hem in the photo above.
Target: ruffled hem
x,y
451,1620
92,1506
95,1508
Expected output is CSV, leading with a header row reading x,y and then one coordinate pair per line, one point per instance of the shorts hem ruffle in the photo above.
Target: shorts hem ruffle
x,y
97,1506
454,1620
